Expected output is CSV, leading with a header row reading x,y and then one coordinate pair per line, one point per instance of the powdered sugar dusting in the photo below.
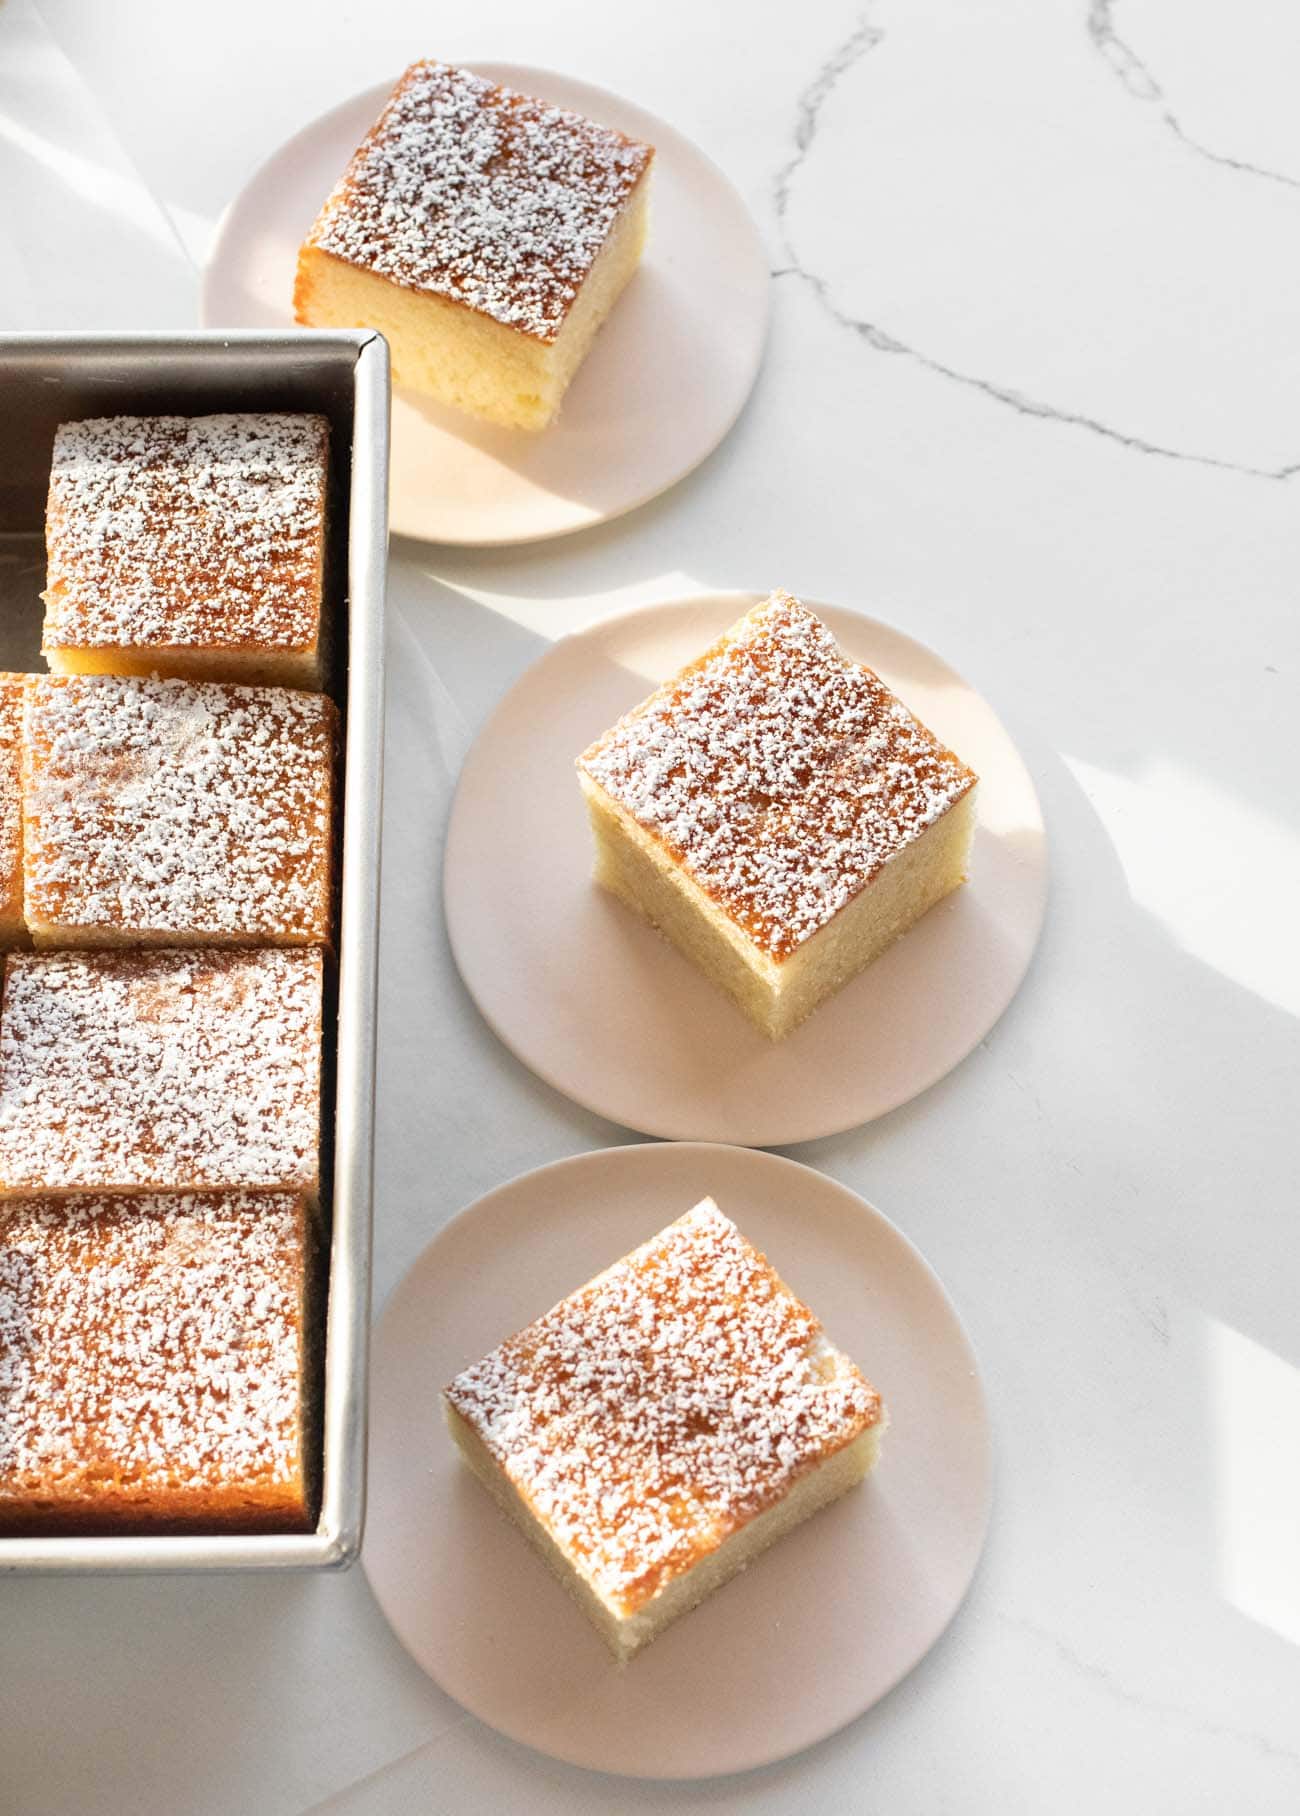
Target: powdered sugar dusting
x,y
160,1070
12,688
781,775
200,531
664,1404
149,1348
482,195
179,809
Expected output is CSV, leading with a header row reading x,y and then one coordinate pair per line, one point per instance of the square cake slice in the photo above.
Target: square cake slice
x,y
176,813
188,545
156,1364
778,813
664,1424
486,235
160,1072
13,928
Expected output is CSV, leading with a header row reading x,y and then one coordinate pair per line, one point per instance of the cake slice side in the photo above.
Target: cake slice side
x,y
13,693
777,996
494,1478
822,1484
626,1634
915,880
250,664
458,355
486,234
635,865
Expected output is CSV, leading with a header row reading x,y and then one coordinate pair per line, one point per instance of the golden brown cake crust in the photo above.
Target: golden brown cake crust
x,y
486,197
188,811
665,1404
197,532
782,776
12,693
160,1071
152,1363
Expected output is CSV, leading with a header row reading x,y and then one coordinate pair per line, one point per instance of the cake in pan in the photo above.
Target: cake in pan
x,y
188,545
156,1368
486,235
13,928
778,813
160,1071
664,1424
176,813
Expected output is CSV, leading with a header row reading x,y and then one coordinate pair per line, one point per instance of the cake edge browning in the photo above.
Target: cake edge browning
x,y
78,636
51,1028
651,1598
106,760
13,696
101,1491
304,286
548,322
626,1634
771,950
777,996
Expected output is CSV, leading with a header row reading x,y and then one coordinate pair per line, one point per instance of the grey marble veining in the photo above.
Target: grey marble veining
x,y
1142,84
867,37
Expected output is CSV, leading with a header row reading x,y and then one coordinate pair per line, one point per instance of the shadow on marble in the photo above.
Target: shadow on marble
x,y
456,1113
182,1693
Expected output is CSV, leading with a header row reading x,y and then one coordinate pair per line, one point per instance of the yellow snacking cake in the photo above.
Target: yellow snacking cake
x,y
155,1364
778,813
664,1424
176,813
188,545
160,1071
486,235
13,929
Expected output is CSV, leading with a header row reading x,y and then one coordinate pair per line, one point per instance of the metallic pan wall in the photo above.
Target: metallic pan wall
x,y
47,379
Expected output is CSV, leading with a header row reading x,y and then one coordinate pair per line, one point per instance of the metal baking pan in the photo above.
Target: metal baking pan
x,y
46,379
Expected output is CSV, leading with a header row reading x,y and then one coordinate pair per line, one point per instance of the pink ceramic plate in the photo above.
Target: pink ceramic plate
x,y
605,1010
664,382
822,1625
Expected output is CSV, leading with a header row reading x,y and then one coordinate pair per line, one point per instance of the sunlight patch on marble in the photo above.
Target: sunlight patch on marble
x,y
71,203
111,190
1254,1422
552,615
1220,874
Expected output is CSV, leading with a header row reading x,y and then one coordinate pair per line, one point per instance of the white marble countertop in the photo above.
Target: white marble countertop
x,y
1033,393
